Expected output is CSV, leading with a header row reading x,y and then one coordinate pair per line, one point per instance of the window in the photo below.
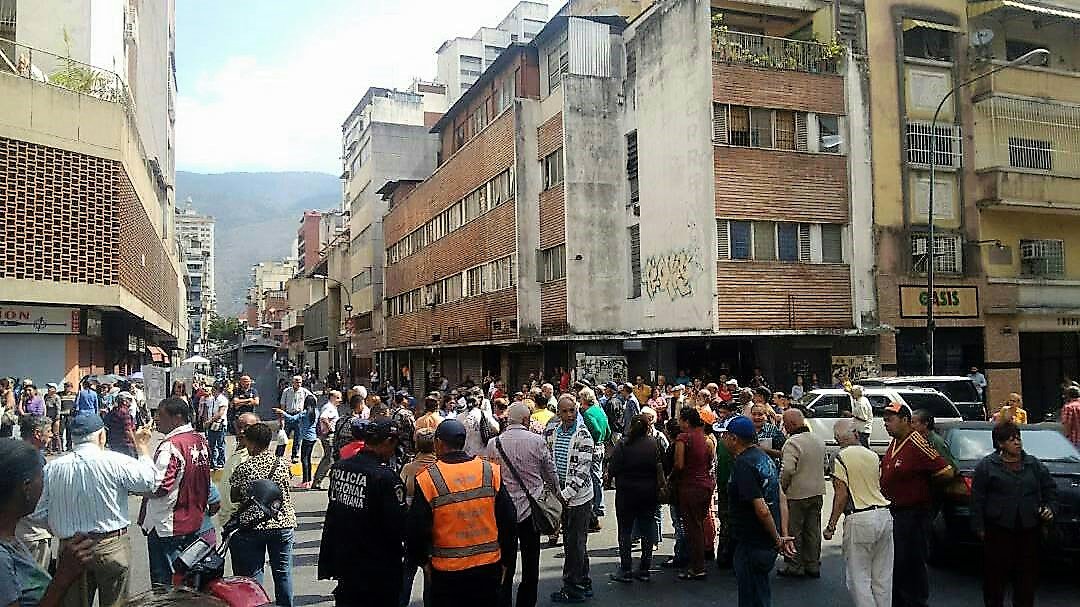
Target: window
x,y
362,322
445,291
832,243
405,303
739,126
787,241
764,240
552,263
635,260
1045,258
720,123
474,281
928,43
943,142
785,130
361,280
1027,153
632,166
498,275
553,169
946,253
832,406
770,129
829,133
740,239
1014,49
558,63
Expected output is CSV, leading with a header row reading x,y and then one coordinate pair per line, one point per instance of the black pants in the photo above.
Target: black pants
x,y
1011,556
476,587
305,458
370,589
529,540
911,529
575,571
631,511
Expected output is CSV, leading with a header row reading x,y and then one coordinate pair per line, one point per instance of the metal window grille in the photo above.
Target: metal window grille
x,y
947,256
723,242
804,242
632,166
772,53
1029,134
1044,258
635,260
720,123
943,141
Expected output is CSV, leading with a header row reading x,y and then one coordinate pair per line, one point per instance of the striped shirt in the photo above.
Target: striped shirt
x,y
86,491
561,450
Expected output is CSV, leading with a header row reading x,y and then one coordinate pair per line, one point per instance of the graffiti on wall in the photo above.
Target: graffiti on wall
x,y
672,273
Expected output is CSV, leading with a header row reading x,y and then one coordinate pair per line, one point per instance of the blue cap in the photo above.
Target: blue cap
x,y
450,430
738,425
85,424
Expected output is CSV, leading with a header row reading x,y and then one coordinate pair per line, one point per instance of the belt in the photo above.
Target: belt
x,y
868,509
108,535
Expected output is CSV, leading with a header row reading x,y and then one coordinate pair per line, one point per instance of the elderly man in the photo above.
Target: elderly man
x,y
572,449
868,525
292,401
802,477
85,492
527,468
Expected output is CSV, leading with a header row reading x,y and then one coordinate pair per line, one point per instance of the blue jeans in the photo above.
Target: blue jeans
x,y
597,472
163,551
682,551
216,438
752,567
249,551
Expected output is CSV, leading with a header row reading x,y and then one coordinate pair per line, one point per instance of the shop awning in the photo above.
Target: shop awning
x,y
913,23
157,354
1020,6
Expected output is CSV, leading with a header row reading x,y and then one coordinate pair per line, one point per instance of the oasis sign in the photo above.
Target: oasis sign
x,y
949,302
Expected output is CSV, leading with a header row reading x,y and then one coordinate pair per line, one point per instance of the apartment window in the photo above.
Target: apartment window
x,y
787,241
552,263
1042,258
764,240
1027,153
785,130
946,253
558,63
498,275
832,243
740,239
942,144
829,133
761,128
446,290
768,128
635,260
362,322
474,282
361,280
632,166
928,43
739,126
553,169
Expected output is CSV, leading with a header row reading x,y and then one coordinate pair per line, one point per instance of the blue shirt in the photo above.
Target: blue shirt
x,y
87,401
306,422
86,491
753,476
21,580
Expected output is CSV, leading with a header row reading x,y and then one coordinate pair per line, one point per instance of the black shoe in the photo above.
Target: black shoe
x,y
566,596
586,589
643,575
672,564
623,577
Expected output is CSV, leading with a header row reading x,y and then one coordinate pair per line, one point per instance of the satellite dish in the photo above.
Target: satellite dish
x,y
982,37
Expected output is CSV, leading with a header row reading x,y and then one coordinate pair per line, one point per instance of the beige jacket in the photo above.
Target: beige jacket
x,y
802,470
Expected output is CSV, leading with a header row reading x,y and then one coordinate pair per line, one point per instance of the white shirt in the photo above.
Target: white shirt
x,y
219,407
329,412
979,380
474,442
293,400
863,414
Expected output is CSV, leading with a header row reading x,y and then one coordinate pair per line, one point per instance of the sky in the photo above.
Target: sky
x,y
264,85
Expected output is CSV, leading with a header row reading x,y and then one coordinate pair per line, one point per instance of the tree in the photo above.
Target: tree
x,y
223,328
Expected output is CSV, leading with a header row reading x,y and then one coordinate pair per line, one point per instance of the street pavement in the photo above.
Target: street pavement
x,y
958,585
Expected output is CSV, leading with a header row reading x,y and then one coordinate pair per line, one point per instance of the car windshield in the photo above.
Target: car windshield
x,y
1046,445
807,398
936,404
959,391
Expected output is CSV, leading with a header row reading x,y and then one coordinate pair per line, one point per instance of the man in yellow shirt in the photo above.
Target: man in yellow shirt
x,y
642,390
1012,411
540,416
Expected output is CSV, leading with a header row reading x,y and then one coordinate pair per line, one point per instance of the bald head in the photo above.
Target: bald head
x,y
243,421
845,433
793,420
519,413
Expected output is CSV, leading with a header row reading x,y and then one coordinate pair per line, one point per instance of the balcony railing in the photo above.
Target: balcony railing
x,y
758,50
1028,134
64,72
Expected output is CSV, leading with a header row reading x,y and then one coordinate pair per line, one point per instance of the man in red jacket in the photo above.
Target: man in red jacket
x,y
172,514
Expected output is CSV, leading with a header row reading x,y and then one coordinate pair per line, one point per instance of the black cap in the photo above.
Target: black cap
x,y
451,431
373,430
611,385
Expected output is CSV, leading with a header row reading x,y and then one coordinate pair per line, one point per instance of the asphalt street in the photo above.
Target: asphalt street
x,y
958,585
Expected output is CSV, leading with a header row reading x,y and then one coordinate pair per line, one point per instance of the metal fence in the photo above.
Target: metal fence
x,y
777,53
64,72
1030,134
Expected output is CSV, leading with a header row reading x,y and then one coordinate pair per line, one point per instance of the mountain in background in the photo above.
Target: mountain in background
x,y
257,215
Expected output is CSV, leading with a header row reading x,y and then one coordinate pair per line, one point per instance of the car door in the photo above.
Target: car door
x,y
879,438
827,410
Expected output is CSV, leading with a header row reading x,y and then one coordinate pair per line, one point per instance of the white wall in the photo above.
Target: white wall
x,y
860,238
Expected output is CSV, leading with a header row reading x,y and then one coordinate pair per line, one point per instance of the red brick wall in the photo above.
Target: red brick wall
x,y
776,295
461,321
310,231
744,85
780,185
74,218
490,153
549,136
553,308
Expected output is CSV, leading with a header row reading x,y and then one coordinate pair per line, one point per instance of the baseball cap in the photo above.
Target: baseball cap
x,y
51,385
611,385
737,425
895,408
85,424
450,430
125,396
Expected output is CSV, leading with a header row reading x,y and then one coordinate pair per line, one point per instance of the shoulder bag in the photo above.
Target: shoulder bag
x,y
546,511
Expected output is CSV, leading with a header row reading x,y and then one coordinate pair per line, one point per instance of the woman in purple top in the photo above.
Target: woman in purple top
x,y
32,403
695,483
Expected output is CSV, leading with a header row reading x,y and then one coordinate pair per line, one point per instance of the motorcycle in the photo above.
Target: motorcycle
x,y
201,567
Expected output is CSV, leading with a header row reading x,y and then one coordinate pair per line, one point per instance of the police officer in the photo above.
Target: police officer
x,y
461,524
365,521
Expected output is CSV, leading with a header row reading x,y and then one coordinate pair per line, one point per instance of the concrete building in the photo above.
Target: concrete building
x,y
90,277
679,198
316,229
269,276
385,138
460,61
195,234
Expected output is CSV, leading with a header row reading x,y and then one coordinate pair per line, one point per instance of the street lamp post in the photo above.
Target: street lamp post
x,y
1028,58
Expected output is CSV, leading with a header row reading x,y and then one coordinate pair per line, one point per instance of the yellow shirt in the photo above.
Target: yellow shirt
x,y
860,469
1019,416
542,416
643,393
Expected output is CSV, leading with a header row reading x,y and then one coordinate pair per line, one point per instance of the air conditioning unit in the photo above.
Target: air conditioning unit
x,y
496,324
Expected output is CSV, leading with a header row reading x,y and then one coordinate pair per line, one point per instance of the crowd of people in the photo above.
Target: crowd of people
x,y
452,487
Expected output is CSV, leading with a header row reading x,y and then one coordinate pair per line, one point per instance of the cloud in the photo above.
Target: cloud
x,y
283,110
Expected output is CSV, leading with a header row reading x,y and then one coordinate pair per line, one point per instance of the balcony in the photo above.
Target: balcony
x,y
1040,82
1027,152
757,50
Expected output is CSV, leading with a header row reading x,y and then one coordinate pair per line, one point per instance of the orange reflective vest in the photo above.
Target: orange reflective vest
x,y
462,498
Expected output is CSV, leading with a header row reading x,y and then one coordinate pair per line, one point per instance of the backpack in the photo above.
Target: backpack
x,y
487,431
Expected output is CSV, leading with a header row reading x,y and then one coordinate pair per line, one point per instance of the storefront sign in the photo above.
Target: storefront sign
x,y
949,302
133,343
1048,323
39,319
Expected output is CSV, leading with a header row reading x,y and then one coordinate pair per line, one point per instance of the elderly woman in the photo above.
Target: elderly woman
x,y
22,582
1011,496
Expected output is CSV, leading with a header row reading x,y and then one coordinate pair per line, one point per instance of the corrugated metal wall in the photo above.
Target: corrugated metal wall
x,y
590,48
